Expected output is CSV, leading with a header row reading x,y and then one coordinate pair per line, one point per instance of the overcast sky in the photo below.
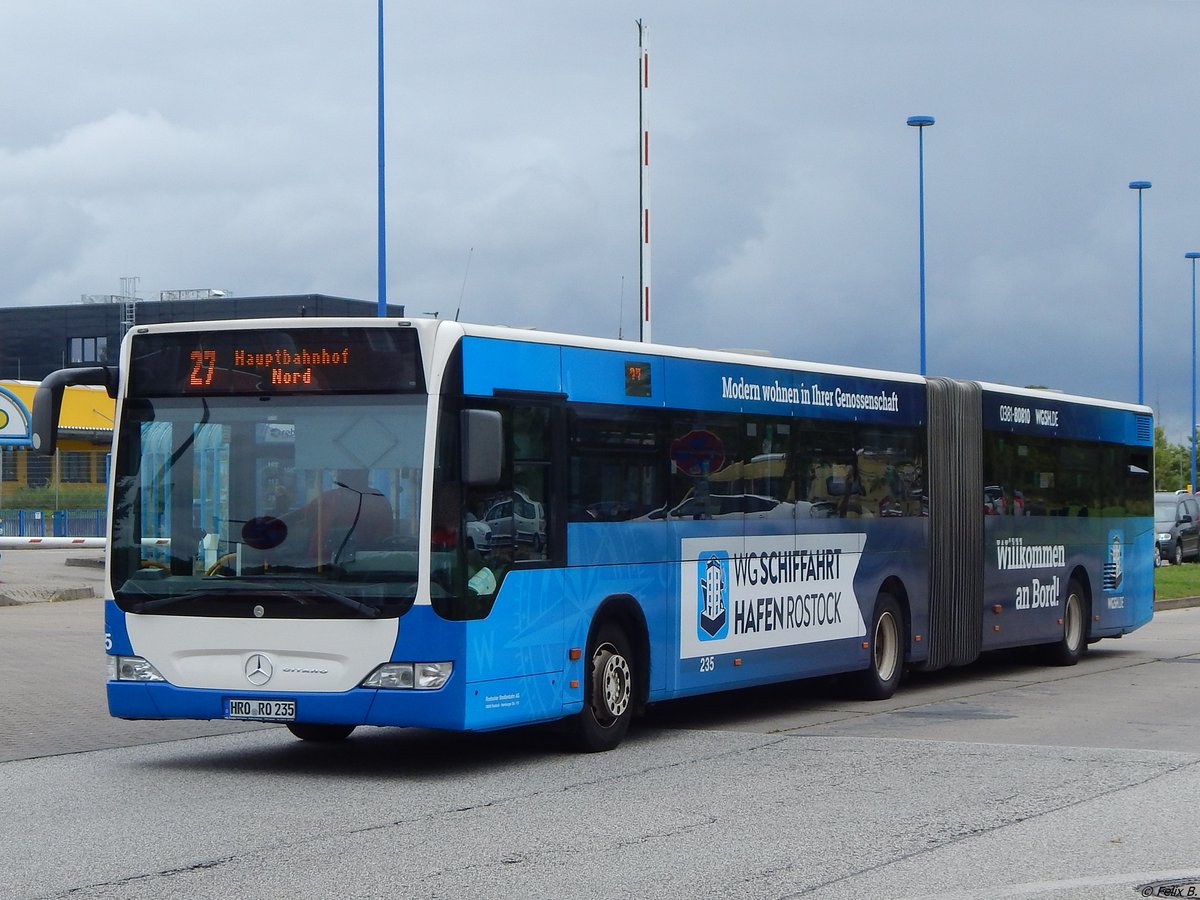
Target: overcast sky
x,y
232,144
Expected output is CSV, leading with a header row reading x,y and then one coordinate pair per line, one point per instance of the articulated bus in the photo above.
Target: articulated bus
x,y
330,523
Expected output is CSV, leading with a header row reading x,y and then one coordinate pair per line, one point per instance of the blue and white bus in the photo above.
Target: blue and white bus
x,y
331,523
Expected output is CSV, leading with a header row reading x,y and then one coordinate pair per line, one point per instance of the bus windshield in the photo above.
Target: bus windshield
x,y
292,506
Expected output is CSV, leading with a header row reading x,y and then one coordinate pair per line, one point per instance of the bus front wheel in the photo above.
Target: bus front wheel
x,y
881,677
321,734
608,697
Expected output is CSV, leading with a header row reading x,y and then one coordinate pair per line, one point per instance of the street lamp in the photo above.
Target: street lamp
x,y
1193,256
921,123
1140,186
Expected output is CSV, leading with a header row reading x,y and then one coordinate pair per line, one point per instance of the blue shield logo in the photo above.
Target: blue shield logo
x,y
712,595
1114,567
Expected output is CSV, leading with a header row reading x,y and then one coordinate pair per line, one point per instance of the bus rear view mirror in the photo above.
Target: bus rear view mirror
x,y
482,446
47,401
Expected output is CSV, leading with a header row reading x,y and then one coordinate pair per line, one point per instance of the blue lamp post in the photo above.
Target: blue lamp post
x,y
921,123
1140,186
1193,256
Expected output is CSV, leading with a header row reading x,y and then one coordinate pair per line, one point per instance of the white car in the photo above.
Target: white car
x,y
517,520
479,535
724,506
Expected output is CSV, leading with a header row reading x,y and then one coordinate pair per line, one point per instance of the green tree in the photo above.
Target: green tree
x,y
1172,463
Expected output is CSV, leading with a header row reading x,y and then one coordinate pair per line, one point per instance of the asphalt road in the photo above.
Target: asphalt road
x,y
1002,780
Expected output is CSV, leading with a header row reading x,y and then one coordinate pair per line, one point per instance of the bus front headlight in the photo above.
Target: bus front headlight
x,y
391,676
422,676
432,675
132,668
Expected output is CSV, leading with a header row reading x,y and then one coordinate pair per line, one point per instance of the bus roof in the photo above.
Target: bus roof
x,y
1048,394
739,357
443,331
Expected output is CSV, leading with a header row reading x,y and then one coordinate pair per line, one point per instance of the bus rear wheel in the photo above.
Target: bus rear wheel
x,y
1069,649
881,677
320,734
609,692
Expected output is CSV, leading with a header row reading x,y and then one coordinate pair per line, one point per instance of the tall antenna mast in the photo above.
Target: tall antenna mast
x,y
381,310
644,191
621,313
466,272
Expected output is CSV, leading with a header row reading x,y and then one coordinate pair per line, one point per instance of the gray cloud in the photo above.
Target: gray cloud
x,y
232,144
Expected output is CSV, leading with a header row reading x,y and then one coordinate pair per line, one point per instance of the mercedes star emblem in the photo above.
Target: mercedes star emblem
x,y
258,669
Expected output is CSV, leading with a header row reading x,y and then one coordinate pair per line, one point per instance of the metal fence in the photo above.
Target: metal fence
x,y
57,523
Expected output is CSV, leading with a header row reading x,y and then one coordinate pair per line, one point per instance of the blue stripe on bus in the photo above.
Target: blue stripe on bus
x,y
510,365
1051,417
360,706
116,635
598,376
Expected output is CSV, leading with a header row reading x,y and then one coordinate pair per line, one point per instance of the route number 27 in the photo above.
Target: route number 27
x,y
204,362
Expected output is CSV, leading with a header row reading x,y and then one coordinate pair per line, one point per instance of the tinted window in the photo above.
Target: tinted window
x,y
617,465
1036,476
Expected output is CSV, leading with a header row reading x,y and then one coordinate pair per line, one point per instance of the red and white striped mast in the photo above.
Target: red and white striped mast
x,y
644,191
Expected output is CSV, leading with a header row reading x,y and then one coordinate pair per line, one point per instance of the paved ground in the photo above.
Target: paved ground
x,y
56,699
33,576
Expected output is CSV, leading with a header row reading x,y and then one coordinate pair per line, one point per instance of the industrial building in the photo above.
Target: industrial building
x,y
37,340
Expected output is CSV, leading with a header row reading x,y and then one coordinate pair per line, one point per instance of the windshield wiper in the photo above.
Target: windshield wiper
x,y
161,602
364,609
371,612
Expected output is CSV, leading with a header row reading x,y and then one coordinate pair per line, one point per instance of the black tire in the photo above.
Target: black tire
x,y
880,679
1158,560
320,734
1069,649
1177,555
610,692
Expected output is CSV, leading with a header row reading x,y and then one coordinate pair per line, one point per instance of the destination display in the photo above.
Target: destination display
x,y
270,361
637,378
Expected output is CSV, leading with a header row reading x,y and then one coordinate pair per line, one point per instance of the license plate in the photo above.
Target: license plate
x,y
250,708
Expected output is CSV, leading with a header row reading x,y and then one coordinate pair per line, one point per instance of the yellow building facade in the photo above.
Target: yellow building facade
x,y
85,438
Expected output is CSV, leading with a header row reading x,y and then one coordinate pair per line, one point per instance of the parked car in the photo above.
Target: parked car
x,y
479,534
1176,526
725,506
517,520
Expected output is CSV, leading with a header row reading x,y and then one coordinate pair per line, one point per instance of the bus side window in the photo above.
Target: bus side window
x,y
616,463
707,469
514,511
826,463
767,483
891,471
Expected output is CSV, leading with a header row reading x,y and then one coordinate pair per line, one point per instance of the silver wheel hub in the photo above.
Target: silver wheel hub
x,y
612,684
